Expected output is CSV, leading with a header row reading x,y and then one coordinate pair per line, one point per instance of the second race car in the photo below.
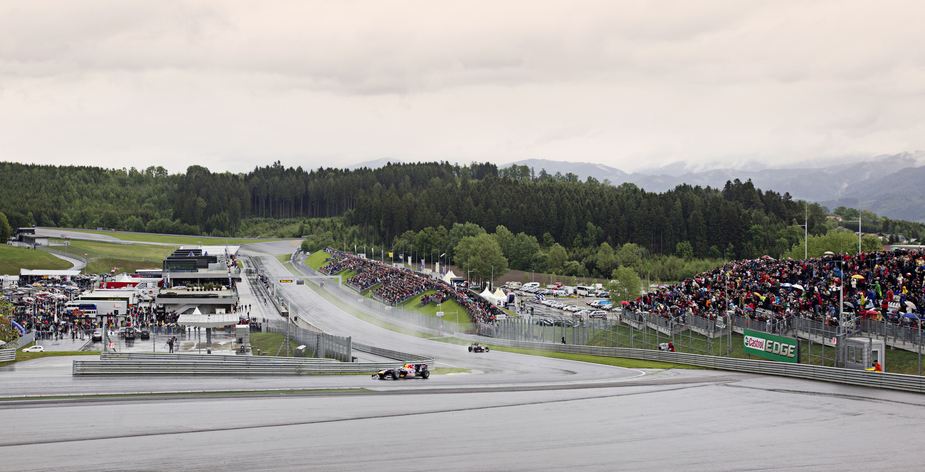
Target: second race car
x,y
476,347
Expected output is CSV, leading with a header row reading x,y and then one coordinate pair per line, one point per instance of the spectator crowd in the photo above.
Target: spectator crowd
x,y
395,285
884,286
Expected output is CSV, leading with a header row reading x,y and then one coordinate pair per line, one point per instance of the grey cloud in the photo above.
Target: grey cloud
x,y
657,81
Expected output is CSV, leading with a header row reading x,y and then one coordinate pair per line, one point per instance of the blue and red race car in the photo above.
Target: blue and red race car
x,y
407,371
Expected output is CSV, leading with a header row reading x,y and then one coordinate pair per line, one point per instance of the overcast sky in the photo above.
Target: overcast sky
x,y
232,85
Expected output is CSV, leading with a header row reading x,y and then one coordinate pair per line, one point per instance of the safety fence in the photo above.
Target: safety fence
x,y
910,383
321,344
892,334
21,341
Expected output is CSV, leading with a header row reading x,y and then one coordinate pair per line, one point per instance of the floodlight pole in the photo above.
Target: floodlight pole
x,y
841,312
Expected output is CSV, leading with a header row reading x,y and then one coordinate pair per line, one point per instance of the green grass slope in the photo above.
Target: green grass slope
x,y
13,258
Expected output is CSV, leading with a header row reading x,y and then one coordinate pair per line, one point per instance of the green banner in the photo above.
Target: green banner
x,y
772,347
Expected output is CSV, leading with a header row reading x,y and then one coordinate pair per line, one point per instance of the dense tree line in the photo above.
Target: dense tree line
x,y
381,206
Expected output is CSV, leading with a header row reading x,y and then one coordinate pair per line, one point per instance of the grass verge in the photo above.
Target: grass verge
x,y
269,344
614,361
317,259
28,356
449,370
80,247
450,308
13,258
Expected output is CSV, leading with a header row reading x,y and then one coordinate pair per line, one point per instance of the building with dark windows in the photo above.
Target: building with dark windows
x,y
203,277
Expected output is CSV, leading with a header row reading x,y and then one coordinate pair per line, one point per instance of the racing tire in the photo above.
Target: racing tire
x,y
486,349
425,374
394,375
470,348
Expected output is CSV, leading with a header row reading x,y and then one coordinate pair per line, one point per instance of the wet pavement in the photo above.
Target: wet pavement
x,y
510,412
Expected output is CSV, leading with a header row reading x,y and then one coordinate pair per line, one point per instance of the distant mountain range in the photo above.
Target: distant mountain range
x,y
888,185
892,186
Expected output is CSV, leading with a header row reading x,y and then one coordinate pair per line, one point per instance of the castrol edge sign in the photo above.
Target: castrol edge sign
x,y
772,347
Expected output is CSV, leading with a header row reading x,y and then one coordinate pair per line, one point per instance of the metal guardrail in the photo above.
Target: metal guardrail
x,y
7,355
909,383
221,367
397,355
124,356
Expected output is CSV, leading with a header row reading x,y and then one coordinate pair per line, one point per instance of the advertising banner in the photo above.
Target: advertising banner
x,y
769,346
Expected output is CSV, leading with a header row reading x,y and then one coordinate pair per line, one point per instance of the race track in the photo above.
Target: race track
x,y
513,412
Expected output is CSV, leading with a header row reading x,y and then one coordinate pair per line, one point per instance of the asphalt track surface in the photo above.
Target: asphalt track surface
x,y
512,412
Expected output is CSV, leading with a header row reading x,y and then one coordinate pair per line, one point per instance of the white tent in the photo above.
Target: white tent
x,y
196,318
449,276
487,295
500,295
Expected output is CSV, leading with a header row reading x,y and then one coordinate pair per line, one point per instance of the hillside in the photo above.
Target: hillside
x,y
13,258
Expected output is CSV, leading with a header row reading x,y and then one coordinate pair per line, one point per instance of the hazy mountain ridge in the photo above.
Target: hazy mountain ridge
x,y
892,186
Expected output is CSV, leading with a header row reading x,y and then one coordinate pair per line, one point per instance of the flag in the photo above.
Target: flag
x,y
390,254
401,257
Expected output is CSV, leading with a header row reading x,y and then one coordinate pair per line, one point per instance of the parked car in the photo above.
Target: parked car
x,y
34,349
144,335
598,314
97,336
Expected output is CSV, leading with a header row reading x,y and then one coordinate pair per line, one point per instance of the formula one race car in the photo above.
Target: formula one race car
x,y
407,371
476,347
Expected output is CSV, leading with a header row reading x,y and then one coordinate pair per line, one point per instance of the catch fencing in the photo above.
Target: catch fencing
x,y
22,341
321,344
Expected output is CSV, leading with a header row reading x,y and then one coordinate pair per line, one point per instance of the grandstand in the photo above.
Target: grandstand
x,y
392,285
